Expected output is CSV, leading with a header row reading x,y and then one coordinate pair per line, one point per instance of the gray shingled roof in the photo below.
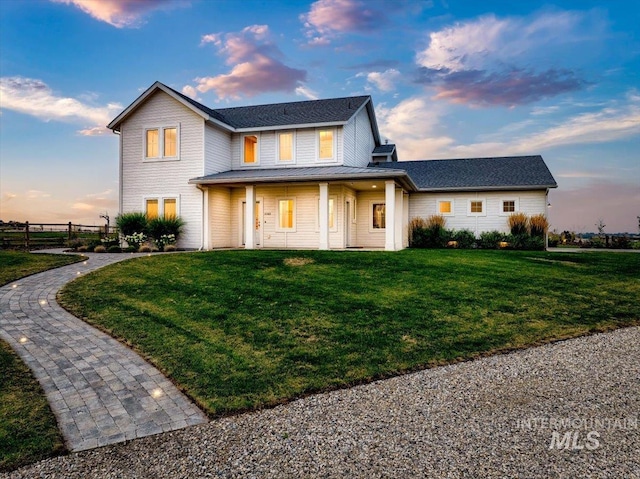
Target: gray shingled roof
x,y
313,173
519,172
279,114
384,149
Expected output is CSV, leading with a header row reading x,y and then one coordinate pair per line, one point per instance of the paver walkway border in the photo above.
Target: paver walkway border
x,y
100,391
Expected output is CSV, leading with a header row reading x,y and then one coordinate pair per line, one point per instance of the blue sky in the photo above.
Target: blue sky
x,y
449,79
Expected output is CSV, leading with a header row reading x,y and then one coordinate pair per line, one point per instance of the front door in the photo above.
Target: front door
x,y
257,222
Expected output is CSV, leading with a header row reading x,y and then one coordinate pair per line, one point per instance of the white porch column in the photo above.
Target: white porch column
x,y
206,227
390,211
324,216
250,218
398,219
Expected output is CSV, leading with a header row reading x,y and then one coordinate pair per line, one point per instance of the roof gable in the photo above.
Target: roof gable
x,y
333,111
515,172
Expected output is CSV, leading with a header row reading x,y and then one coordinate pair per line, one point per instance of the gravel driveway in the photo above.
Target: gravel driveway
x,y
568,409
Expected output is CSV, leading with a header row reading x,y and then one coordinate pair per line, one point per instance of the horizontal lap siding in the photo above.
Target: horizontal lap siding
x,y
164,178
305,149
365,237
220,218
306,234
425,204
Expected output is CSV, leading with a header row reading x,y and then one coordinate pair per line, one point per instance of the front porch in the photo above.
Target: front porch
x,y
339,213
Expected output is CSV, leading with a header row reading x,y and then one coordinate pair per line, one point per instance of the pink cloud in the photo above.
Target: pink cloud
x,y
327,18
256,66
119,13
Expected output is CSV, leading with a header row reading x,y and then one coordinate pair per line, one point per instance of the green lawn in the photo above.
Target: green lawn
x,y
16,264
28,428
245,329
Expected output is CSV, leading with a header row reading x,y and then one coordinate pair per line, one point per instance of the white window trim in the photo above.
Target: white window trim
x,y
444,200
334,158
161,156
377,202
354,209
501,211
242,137
484,207
295,205
334,229
161,203
292,161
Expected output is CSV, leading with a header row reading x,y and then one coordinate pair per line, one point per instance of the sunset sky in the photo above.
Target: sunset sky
x,y
448,78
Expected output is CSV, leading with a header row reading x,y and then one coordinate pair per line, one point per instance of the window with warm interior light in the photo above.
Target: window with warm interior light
x,y
152,144
332,214
250,149
170,208
445,207
151,208
285,147
286,214
378,211
170,142
326,145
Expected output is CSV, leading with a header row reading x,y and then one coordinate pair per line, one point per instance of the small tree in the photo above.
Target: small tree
x,y
601,226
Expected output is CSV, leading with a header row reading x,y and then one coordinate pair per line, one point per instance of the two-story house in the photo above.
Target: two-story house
x,y
308,174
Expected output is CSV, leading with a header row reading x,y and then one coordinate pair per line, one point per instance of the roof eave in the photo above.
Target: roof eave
x,y
401,176
485,188
291,126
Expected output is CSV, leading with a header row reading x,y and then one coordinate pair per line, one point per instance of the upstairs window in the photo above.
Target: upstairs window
x,y
250,149
170,141
161,143
285,147
152,144
326,145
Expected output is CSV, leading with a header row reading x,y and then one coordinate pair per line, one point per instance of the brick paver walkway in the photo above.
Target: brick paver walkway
x,y
100,391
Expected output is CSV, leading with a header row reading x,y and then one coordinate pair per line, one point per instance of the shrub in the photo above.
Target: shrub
x,y
621,242
518,223
519,241
436,221
157,227
108,242
145,248
130,223
534,243
114,249
417,227
99,249
465,238
170,247
135,239
130,249
82,249
538,225
491,239
164,241
74,244
554,240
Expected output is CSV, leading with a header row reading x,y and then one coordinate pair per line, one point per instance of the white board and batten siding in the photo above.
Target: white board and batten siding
x,y
142,178
358,140
217,150
423,205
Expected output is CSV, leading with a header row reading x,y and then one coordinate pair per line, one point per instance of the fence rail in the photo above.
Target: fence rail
x,y
30,235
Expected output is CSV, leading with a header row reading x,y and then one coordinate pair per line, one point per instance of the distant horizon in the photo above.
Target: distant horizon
x,y
448,80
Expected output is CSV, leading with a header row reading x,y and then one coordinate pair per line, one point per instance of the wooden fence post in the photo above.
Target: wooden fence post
x,y
69,238
26,234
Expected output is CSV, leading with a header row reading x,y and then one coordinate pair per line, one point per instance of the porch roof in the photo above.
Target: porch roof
x,y
305,174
